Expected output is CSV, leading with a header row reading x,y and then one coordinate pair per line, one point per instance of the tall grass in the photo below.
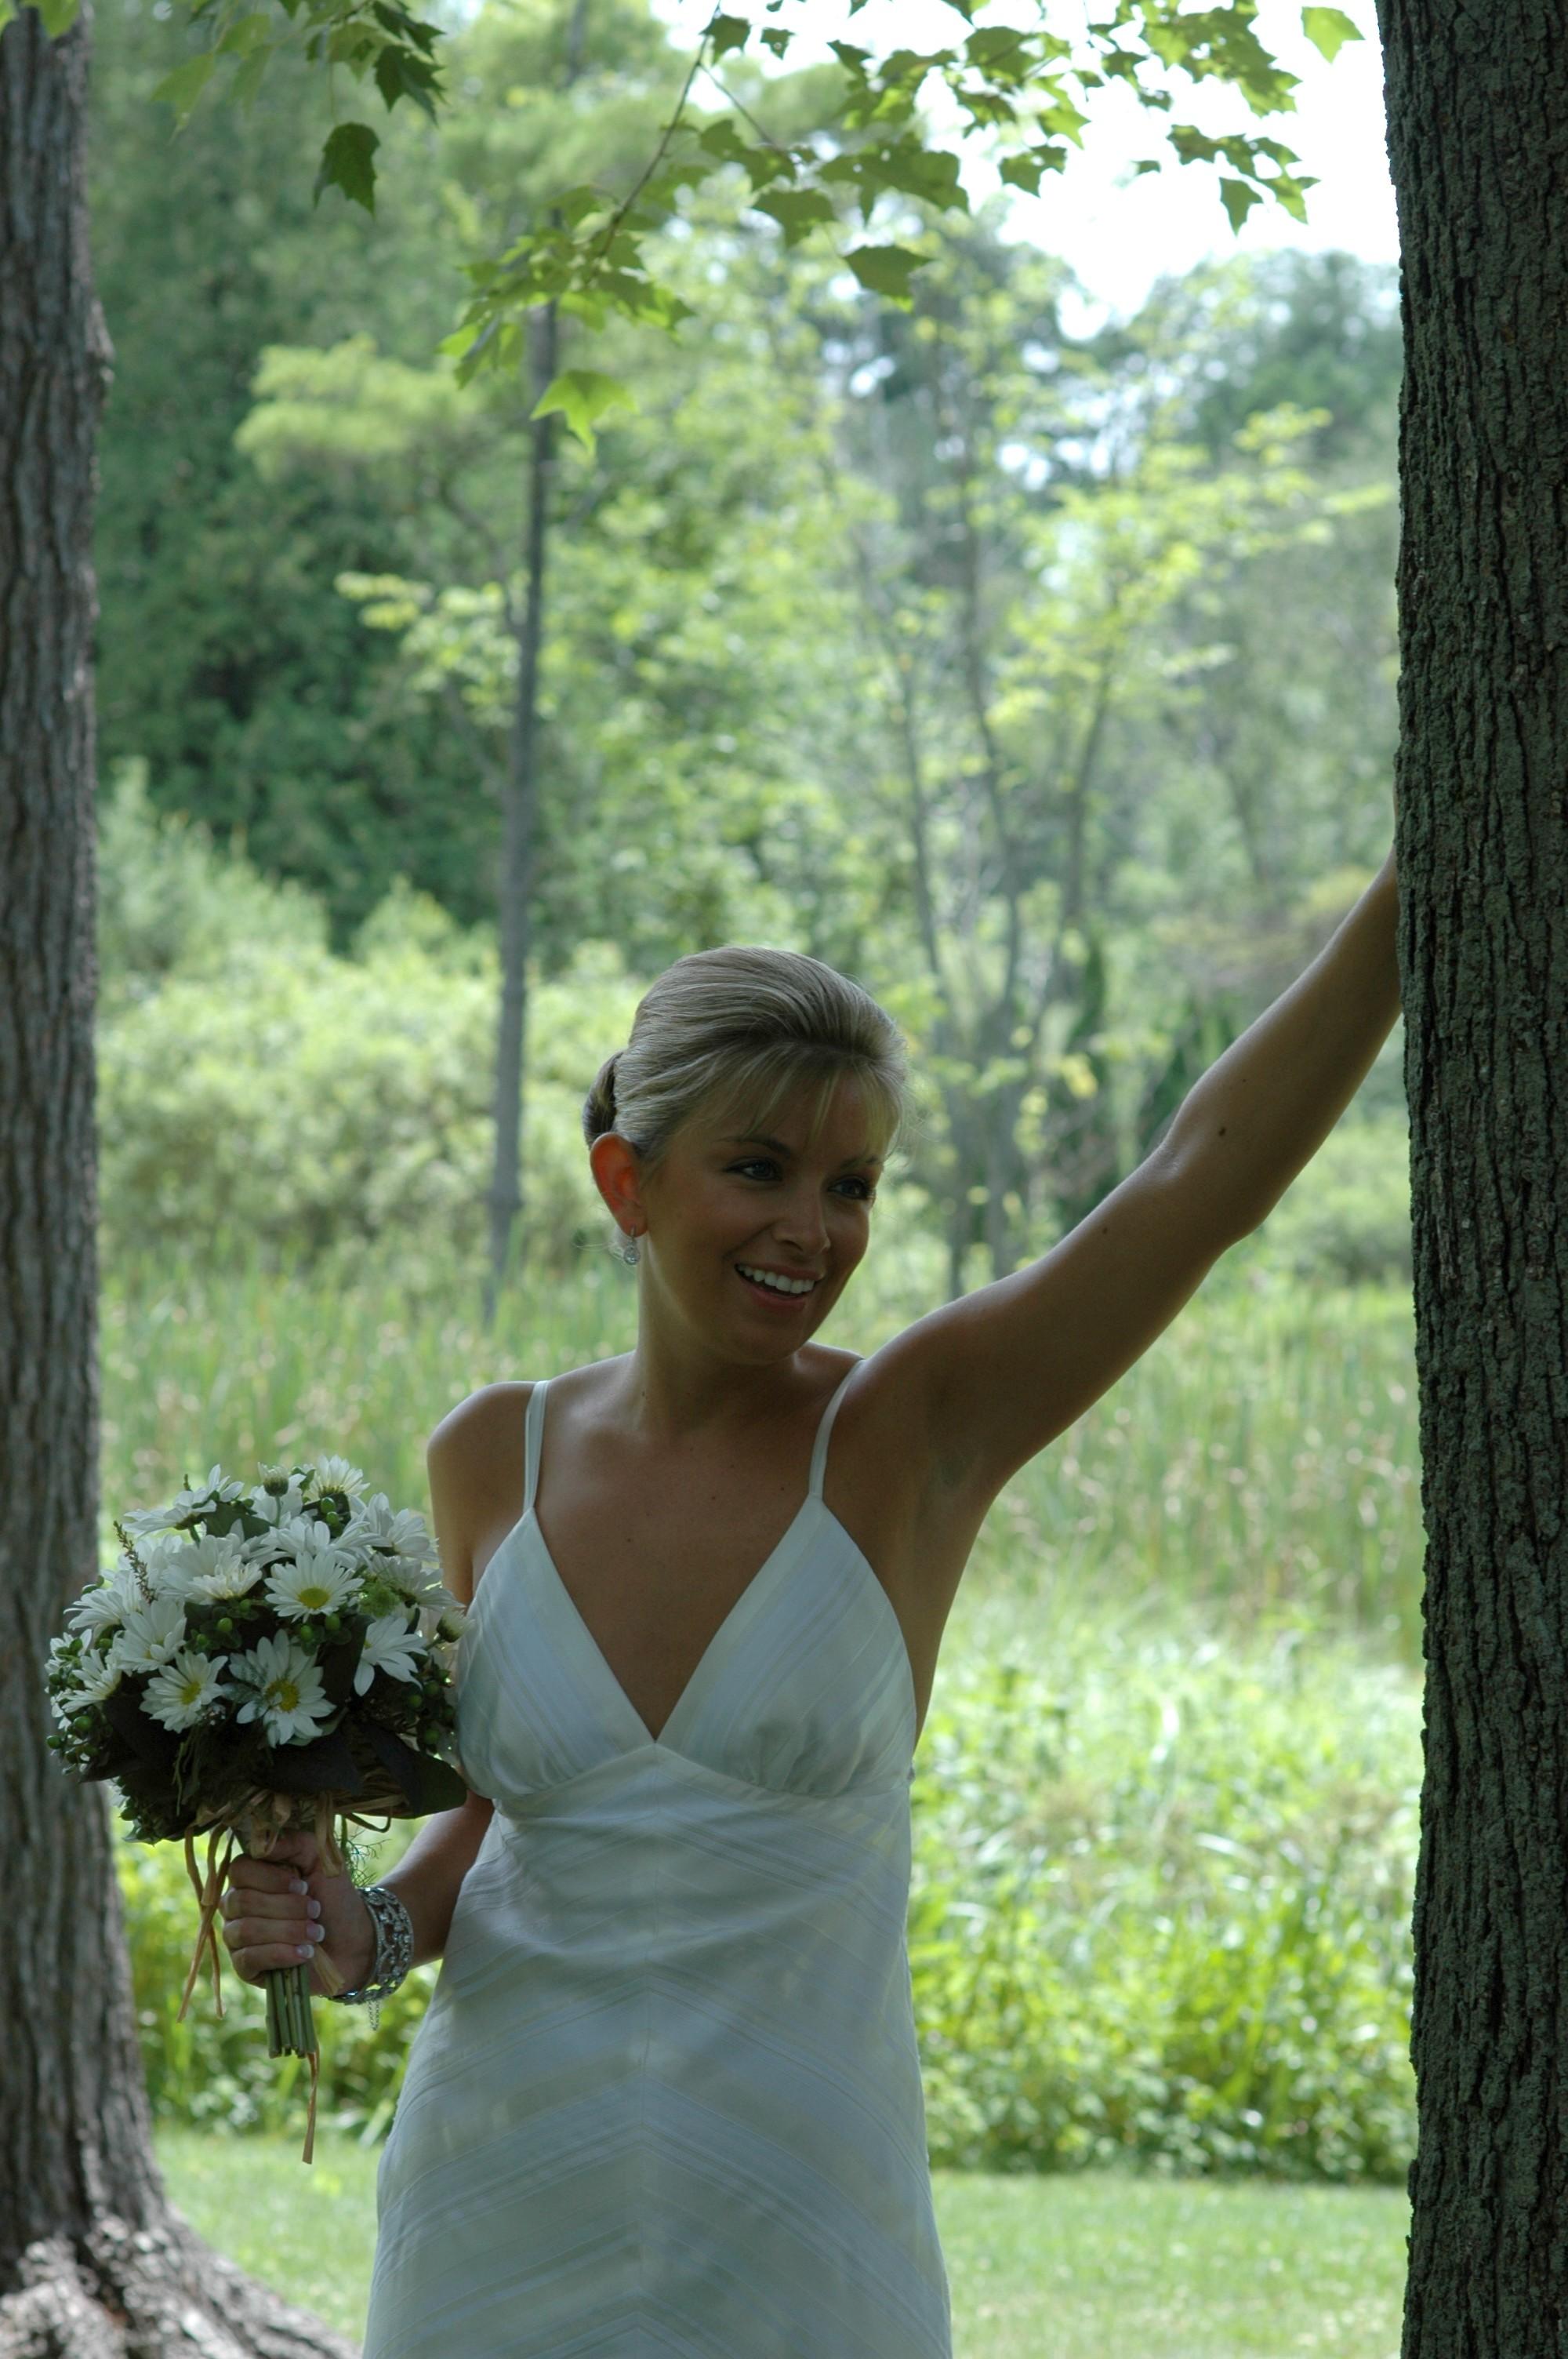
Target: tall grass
x,y
1259,1461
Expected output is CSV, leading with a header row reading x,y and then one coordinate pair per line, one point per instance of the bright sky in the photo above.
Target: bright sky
x,y
1121,238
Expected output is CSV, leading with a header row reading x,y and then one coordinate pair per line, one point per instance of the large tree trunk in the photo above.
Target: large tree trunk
x,y
92,2262
1479,142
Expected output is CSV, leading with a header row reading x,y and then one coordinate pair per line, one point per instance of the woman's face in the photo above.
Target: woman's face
x,y
734,1204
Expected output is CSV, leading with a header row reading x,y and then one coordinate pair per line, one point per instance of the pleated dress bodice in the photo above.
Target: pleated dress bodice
x,y
666,2099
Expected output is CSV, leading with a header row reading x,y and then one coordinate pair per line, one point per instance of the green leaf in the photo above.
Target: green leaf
x,y
346,164
727,33
248,76
1239,197
58,17
886,269
777,40
246,33
582,396
184,86
1328,29
797,211
1022,172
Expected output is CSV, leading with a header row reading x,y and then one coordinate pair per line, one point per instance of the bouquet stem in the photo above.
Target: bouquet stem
x,y
290,2024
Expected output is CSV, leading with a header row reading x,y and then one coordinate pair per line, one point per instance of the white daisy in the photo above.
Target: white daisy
x,y
288,1697
95,1680
171,1564
223,1567
390,1646
316,1582
156,1519
406,1533
282,1510
151,1636
101,1607
180,1694
337,1474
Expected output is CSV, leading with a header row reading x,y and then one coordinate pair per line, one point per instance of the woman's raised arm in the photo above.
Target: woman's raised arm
x,y
1002,1371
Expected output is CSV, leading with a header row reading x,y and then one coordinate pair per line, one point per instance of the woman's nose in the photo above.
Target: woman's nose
x,y
803,1223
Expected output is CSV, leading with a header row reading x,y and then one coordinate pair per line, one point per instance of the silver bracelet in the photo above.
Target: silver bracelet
x,y
394,1951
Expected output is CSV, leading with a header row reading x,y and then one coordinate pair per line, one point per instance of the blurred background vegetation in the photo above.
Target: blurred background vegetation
x,y
1044,682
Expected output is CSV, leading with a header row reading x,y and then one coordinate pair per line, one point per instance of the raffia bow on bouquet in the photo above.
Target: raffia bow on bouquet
x,y
264,1659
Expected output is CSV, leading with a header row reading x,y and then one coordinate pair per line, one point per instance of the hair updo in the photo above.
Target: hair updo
x,y
745,1027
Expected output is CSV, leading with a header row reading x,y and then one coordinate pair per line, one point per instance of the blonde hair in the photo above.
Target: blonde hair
x,y
745,1027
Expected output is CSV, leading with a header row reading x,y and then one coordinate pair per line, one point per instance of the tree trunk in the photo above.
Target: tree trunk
x,y
521,828
92,2262
1478,143
520,837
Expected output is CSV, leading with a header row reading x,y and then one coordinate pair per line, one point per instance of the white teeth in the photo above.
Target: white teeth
x,y
779,1285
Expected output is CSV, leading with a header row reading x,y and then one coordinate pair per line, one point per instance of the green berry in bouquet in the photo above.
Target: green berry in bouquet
x,y
263,1658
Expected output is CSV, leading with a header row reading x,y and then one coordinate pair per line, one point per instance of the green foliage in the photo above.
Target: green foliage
x,y
593,251
1348,1221
1328,29
226,657
582,396
169,900
311,1101
253,1086
587,248
1160,1909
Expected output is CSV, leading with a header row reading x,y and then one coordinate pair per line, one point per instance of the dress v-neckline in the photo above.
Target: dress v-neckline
x,y
529,1520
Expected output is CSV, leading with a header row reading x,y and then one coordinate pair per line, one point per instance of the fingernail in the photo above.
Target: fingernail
x,y
312,1908
316,1931
298,1886
306,1950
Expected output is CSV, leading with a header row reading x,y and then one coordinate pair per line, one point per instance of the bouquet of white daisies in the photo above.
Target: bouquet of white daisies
x,y
261,1656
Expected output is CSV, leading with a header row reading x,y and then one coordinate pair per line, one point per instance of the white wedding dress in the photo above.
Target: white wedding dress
x,y
665,2102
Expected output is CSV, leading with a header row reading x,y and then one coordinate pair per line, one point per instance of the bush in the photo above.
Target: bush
x,y
1347,1220
1160,1911
253,1085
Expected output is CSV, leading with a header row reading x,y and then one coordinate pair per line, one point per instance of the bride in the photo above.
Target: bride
x,y
665,2098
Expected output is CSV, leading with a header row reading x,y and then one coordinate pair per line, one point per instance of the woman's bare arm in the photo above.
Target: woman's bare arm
x,y
992,1378
427,1878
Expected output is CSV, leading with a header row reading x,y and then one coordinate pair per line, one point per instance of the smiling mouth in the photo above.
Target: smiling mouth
x,y
776,1289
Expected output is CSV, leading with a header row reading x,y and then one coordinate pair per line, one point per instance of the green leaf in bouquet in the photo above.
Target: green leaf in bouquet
x,y
426,1785
149,1743
338,1663
325,1766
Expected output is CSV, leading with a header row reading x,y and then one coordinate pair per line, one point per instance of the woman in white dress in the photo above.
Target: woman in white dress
x,y
666,2099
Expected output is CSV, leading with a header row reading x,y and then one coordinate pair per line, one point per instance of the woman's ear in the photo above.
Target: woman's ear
x,y
613,1161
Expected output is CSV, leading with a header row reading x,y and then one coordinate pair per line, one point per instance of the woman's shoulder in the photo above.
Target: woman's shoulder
x,y
473,1458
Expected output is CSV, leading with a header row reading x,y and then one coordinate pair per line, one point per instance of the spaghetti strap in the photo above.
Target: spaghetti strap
x,y
533,1435
819,1449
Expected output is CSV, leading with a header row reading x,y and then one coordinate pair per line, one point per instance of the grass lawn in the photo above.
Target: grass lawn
x,y
1093,2266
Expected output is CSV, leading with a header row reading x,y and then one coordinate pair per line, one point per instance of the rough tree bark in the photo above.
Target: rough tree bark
x,y
1478,144
93,2263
